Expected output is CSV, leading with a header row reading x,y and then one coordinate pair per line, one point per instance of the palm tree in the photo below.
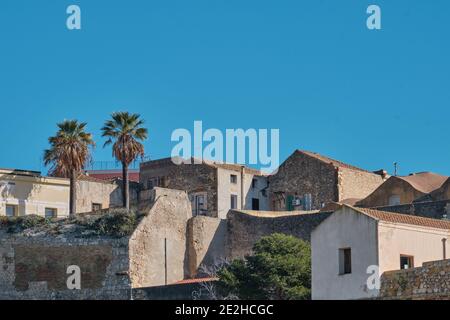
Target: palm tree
x,y
125,131
69,151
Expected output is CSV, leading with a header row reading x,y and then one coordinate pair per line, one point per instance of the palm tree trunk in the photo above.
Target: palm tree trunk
x,y
73,193
126,186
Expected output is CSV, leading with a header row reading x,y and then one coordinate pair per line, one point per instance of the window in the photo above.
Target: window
x,y
156,182
233,201
394,200
96,207
233,178
307,202
199,205
255,204
406,262
254,183
50,213
11,210
345,261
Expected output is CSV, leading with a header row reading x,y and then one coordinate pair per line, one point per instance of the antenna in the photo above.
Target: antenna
x,y
395,168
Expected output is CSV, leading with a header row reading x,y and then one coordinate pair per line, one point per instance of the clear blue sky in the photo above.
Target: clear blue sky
x,y
310,68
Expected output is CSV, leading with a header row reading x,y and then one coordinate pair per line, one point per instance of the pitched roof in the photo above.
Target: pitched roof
x,y
425,182
403,218
334,162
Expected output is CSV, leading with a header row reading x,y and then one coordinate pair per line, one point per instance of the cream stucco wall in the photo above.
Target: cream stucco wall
x,y
32,193
424,244
225,189
343,229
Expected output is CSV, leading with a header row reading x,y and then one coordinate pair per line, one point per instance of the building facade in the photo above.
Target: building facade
x,y
27,192
353,244
213,188
399,190
308,181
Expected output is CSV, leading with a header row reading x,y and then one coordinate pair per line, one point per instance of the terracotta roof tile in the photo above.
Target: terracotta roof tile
x,y
404,218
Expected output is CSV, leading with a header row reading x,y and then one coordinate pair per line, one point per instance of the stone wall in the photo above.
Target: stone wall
x,y
301,174
357,184
193,178
35,267
429,282
159,242
429,209
246,228
33,262
206,241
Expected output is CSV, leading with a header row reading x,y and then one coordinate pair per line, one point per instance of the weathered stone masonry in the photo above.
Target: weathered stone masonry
x,y
429,282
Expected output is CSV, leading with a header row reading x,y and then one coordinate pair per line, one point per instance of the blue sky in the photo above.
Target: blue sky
x,y
310,68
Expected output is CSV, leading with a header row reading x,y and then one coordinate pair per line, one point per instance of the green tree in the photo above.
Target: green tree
x,y
278,269
125,132
69,151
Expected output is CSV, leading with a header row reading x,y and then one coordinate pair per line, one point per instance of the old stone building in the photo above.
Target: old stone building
x,y
307,181
399,190
440,194
213,188
34,262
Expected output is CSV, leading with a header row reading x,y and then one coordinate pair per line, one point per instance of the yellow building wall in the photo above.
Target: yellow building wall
x,y
33,194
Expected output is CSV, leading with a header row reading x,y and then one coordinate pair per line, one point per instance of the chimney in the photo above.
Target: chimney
x,y
383,173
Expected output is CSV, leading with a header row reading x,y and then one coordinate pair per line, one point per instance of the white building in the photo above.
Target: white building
x,y
353,239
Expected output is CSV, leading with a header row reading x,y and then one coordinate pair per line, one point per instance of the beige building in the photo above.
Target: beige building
x,y
399,190
27,192
352,240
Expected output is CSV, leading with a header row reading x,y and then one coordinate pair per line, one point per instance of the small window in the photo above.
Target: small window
x,y
156,182
233,201
345,261
96,206
11,210
50,213
406,262
254,183
255,204
233,178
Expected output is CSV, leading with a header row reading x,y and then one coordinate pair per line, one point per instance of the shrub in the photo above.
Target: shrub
x,y
115,222
18,224
280,268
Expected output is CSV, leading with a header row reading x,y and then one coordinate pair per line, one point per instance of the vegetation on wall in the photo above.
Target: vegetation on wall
x,y
18,224
279,269
113,222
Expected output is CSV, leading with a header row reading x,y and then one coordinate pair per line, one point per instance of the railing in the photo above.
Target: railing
x,y
114,165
